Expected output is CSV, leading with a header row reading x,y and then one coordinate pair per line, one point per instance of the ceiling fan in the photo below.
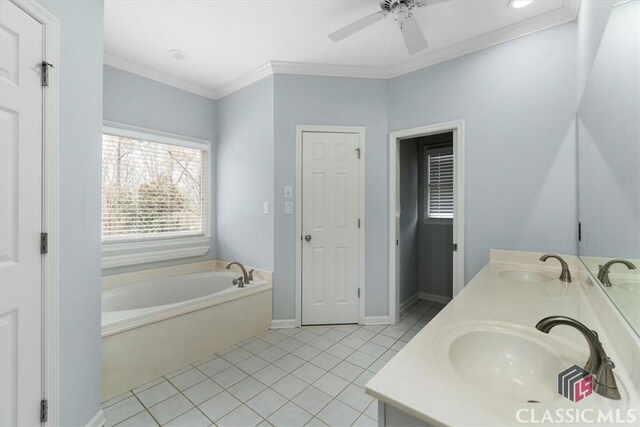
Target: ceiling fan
x,y
402,12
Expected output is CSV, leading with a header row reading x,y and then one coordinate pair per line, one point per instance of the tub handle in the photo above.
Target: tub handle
x,y
251,275
239,281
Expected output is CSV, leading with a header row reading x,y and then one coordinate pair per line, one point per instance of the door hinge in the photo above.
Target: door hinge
x,y
45,73
455,247
44,243
397,242
358,152
358,222
358,292
44,411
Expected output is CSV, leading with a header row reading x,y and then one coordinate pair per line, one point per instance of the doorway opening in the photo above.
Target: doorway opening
x,y
426,215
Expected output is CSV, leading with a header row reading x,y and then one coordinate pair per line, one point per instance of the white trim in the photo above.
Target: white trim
x,y
376,320
283,323
158,76
561,15
435,298
138,132
145,245
244,80
457,127
300,129
409,302
152,256
50,204
97,420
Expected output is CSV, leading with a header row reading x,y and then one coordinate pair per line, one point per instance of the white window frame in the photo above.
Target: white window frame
x,y
133,251
426,218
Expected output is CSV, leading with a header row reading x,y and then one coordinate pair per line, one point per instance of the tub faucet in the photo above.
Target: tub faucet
x,y
245,275
599,364
603,271
565,276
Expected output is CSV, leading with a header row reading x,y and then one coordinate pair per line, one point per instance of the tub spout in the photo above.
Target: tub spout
x,y
245,275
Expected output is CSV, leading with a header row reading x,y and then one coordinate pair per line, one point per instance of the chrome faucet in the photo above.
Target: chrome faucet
x,y
603,271
245,275
565,276
598,364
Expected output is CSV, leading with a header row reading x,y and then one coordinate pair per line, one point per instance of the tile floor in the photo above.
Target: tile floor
x,y
309,376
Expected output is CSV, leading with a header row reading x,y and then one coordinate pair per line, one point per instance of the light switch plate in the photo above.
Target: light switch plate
x,y
288,208
288,192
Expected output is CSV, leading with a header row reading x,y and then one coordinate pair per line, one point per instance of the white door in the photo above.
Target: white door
x,y
20,217
330,226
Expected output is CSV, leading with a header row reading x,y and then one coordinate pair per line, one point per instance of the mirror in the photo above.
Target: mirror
x,y
608,129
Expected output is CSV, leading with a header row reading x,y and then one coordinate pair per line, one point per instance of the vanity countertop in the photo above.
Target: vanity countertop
x,y
419,379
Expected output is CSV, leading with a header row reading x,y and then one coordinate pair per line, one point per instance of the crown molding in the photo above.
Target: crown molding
x,y
244,80
566,13
149,73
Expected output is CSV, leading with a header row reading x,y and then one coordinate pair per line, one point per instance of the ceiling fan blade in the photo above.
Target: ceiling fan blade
x,y
413,37
423,3
354,27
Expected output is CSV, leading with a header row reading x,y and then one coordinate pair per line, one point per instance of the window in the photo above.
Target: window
x,y
154,186
439,178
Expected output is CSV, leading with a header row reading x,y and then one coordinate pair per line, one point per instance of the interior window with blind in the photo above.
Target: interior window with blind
x,y
439,178
152,187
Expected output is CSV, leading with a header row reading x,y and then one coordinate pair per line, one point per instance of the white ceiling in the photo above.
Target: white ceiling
x,y
233,43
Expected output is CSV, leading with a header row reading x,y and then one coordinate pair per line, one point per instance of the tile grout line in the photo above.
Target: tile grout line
x,y
406,332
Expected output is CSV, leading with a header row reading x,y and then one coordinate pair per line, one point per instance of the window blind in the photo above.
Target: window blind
x,y
151,189
439,176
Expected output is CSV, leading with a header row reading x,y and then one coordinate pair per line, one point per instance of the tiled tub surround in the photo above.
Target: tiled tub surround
x,y
431,395
311,376
141,342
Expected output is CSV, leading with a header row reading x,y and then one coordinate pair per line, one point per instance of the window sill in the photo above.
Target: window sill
x,y
134,253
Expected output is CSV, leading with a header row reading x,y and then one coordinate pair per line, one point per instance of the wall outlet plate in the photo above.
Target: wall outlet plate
x,y
288,192
288,208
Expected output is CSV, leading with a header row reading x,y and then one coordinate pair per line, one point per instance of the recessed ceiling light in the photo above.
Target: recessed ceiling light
x,y
178,54
518,4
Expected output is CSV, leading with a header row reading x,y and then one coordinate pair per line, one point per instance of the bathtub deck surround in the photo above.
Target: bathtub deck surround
x,y
501,306
298,376
154,322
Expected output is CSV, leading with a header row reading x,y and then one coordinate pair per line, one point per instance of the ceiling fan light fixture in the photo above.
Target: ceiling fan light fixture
x,y
519,4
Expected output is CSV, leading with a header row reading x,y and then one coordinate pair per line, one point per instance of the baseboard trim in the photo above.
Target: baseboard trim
x,y
409,302
376,320
97,420
283,323
435,298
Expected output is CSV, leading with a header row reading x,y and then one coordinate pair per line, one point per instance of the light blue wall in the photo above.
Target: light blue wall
x,y
609,142
331,101
80,68
135,100
591,23
245,175
518,103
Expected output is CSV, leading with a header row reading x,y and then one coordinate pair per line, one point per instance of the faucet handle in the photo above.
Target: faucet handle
x,y
251,275
239,281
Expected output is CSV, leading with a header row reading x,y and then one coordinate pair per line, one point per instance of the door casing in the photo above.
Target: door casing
x,y
300,129
50,205
395,138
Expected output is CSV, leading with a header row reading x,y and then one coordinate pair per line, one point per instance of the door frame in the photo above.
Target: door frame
x,y
300,129
50,206
457,127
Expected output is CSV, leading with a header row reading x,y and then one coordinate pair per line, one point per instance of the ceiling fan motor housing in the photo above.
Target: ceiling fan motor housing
x,y
390,5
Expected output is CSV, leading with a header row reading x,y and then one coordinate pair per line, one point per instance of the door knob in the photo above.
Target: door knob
x,y
307,237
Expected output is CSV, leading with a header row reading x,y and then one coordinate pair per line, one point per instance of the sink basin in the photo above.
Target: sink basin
x,y
526,276
510,361
633,287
